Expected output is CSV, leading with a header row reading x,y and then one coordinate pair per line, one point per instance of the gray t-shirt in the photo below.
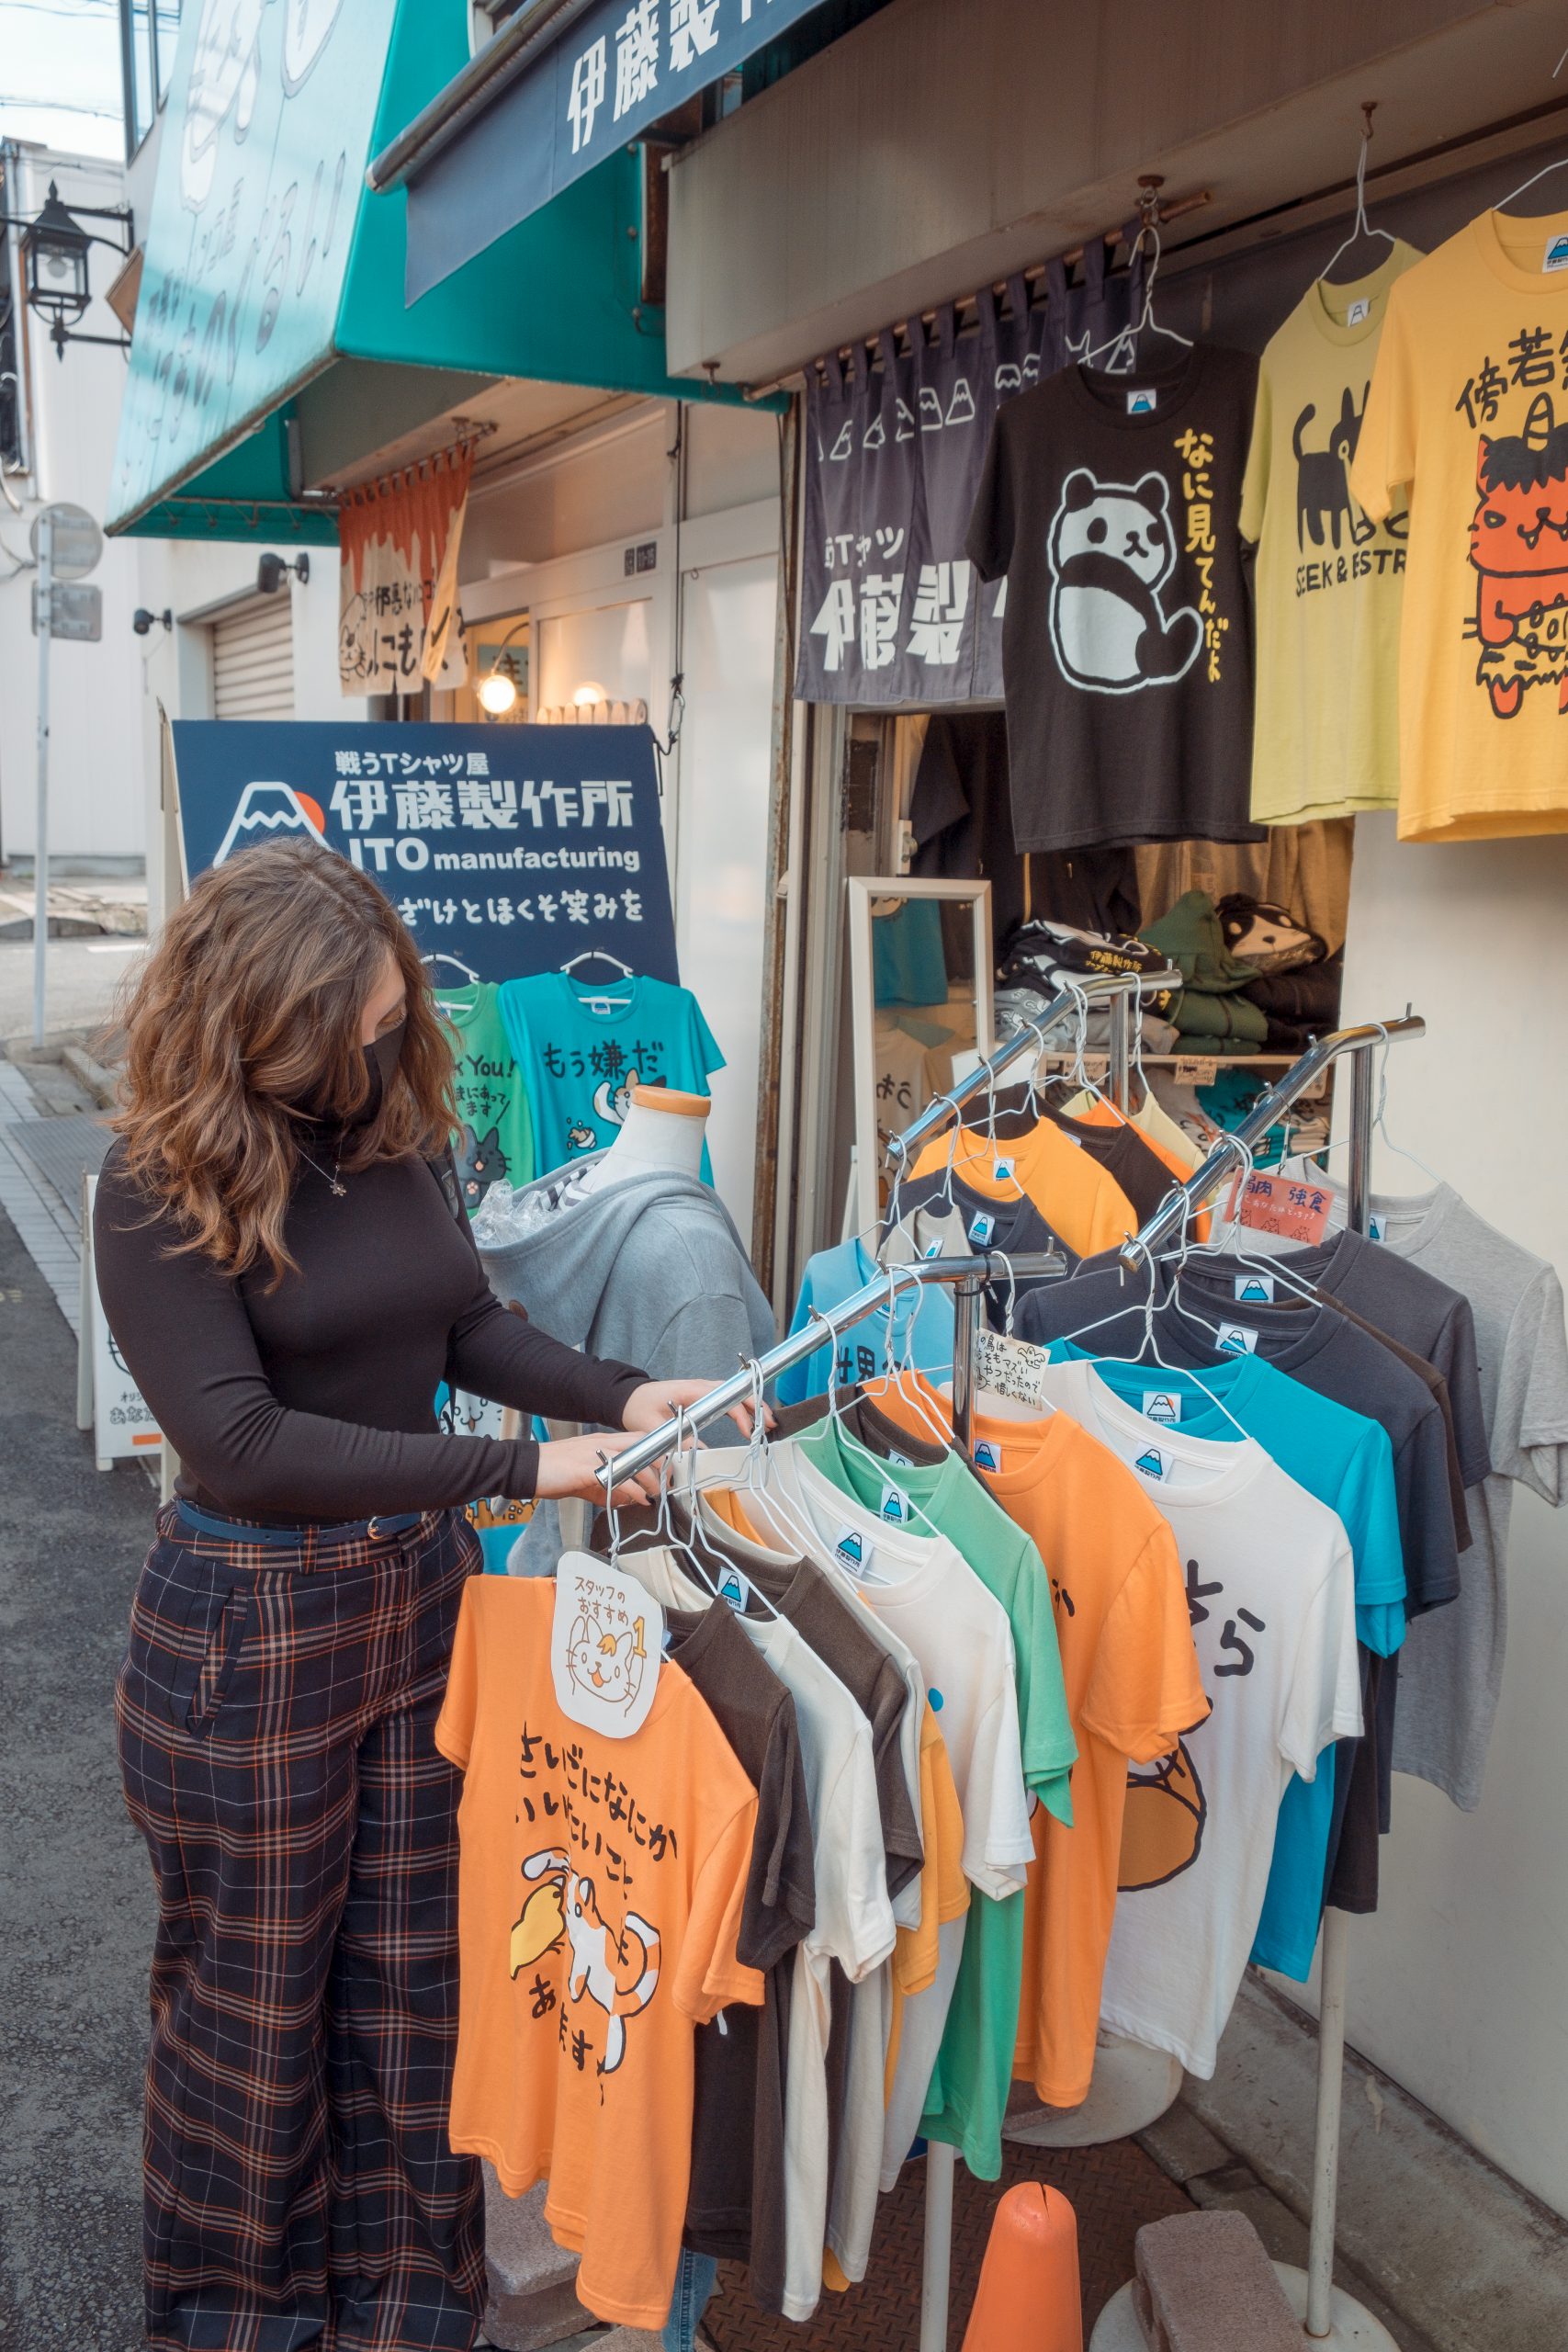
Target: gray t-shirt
x,y
1452,1669
1317,1346
1407,1300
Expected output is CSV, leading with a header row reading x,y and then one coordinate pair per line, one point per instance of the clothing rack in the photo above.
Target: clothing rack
x,y
1115,989
1331,2317
968,1278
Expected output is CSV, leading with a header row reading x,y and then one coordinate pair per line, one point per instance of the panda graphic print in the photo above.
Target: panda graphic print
x,y
1111,506
1111,551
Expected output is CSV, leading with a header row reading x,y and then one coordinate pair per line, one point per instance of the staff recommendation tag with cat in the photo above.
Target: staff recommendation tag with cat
x,y
606,1639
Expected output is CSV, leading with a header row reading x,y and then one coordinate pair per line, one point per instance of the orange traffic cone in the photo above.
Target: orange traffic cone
x,y
1028,2297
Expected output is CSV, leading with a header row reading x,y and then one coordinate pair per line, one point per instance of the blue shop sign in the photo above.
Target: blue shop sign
x,y
506,849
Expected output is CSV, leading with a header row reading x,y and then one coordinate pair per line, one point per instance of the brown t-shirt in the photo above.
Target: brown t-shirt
x,y
738,2131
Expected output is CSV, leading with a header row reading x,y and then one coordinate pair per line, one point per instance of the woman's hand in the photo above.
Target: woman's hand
x,y
575,1465
657,1401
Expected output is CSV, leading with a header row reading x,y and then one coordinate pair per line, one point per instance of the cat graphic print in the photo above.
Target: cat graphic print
x,y
613,1973
1518,545
1111,550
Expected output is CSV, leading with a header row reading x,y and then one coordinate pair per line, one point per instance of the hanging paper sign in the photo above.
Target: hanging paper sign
x,y
1010,1368
1279,1204
606,1639
398,622
1196,1070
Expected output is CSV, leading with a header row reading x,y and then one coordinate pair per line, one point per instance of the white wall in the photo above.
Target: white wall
x,y
721,874
194,581
522,551
1457,1986
95,795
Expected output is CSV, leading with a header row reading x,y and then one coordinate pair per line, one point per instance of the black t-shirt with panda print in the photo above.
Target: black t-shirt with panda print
x,y
1110,503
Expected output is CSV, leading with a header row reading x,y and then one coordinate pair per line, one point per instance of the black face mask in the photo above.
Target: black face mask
x,y
380,1062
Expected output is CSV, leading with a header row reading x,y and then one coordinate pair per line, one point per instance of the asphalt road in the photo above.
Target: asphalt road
x,y
77,1905
82,981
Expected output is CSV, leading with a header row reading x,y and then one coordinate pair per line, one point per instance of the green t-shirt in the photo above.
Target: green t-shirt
x,y
969,2085
495,1142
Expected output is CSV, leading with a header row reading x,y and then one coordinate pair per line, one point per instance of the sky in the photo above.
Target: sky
x,y
59,74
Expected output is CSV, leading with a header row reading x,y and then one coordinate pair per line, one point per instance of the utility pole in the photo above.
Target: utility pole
x,y
43,595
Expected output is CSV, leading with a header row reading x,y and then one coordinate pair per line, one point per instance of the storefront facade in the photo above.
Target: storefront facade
x,y
662,542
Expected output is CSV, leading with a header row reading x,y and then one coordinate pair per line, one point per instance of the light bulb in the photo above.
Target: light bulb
x,y
498,692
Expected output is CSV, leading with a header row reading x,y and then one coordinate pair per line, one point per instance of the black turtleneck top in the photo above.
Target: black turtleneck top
x,y
316,1400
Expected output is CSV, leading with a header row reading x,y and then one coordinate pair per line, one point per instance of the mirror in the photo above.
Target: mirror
x,y
911,1012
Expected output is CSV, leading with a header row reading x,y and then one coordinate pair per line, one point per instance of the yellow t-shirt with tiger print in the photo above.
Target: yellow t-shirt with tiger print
x,y
1469,407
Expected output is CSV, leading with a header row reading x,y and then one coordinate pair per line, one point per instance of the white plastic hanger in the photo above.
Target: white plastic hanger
x,y
1361,226
440,955
598,956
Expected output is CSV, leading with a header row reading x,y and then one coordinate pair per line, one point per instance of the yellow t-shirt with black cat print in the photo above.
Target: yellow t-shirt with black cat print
x,y
1325,729
1469,407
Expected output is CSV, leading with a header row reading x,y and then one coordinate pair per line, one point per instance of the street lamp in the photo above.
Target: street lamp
x,y
56,248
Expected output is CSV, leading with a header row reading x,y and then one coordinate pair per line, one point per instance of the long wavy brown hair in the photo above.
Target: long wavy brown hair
x,y
243,1037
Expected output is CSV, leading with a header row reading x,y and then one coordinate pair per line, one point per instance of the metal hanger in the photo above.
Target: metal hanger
x,y
1151,1344
1124,346
1361,226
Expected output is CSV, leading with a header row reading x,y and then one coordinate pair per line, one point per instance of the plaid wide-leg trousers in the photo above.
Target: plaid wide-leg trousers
x,y
276,1712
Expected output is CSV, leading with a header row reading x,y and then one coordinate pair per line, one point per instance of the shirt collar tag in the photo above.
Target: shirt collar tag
x,y
1001,1171
987,1455
1162,1405
1236,1340
894,1506
1258,1288
1556,254
981,1228
1155,1463
732,1587
853,1552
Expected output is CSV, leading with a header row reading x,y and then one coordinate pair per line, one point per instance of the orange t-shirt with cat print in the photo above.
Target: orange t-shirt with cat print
x,y
1469,406
600,1893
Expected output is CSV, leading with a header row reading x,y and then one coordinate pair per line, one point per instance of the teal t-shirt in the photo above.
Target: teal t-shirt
x,y
495,1142
921,1330
582,1047
1346,1461
968,2093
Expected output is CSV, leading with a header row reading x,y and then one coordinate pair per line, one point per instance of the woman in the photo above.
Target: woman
x,y
288,1274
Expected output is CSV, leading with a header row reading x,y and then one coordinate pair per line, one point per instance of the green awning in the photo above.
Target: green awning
x,y
268,262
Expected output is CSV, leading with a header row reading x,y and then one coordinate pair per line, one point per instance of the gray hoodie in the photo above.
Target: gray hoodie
x,y
650,1271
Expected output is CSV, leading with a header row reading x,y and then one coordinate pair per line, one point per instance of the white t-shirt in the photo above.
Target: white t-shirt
x,y
854,1919
918,1585
1270,1592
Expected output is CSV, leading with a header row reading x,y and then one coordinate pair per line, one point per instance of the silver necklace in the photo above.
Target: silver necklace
x,y
339,1191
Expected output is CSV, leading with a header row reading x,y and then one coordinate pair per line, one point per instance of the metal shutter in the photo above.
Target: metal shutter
x,y
252,659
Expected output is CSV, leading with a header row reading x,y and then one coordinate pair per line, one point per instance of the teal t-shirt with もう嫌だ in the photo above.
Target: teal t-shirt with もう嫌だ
x,y
582,1047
